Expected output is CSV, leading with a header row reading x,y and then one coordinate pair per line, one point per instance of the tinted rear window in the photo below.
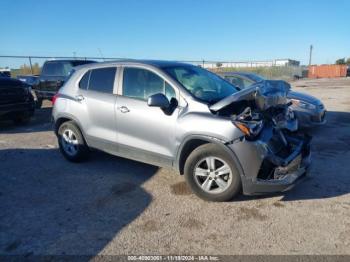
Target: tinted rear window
x,y
102,79
53,69
61,68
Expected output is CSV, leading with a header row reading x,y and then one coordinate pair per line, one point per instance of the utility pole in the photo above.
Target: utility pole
x,y
310,56
31,66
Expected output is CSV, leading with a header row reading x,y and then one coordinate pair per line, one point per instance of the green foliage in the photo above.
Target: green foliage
x,y
348,61
340,61
269,72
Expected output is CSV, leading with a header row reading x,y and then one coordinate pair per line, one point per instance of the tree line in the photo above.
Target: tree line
x,y
343,61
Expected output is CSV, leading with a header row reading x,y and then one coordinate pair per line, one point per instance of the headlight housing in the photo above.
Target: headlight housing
x,y
302,104
250,129
250,124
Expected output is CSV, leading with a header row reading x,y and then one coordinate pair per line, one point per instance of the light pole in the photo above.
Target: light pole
x,y
310,55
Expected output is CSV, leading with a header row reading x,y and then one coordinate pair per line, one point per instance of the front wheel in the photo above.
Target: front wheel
x,y
71,142
211,173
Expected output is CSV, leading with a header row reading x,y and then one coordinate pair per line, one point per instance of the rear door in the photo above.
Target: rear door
x,y
97,98
145,133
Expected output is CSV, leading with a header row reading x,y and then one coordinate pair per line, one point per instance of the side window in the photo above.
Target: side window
x,y
247,83
67,68
141,83
102,79
84,82
169,91
237,81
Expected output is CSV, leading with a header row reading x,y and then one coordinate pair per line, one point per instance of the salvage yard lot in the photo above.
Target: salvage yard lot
x,y
110,205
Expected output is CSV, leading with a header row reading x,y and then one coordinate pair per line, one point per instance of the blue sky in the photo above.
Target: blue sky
x,y
228,30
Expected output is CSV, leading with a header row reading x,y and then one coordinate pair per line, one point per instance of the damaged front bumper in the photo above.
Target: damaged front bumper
x,y
274,162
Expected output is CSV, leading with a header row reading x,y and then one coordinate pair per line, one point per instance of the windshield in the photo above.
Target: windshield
x,y
201,83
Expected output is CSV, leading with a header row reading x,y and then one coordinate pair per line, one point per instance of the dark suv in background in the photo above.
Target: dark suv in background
x,y
52,77
16,100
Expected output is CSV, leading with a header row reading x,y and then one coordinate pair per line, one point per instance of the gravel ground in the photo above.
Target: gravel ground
x,y
111,205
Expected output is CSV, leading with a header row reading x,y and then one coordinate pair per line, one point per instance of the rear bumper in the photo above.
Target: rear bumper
x,y
269,167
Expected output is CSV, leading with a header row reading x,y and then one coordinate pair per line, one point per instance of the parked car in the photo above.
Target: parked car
x,y
16,100
28,79
52,77
5,73
182,116
309,110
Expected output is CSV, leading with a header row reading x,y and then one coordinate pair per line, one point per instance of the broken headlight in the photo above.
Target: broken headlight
x,y
250,124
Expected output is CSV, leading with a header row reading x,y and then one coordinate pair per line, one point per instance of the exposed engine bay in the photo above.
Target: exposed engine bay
x,y
263,114
264,103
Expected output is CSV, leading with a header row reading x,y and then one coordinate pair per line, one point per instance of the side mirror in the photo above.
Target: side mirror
x,y
158,100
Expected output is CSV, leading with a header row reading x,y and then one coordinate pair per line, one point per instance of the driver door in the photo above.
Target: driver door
x,y
145,133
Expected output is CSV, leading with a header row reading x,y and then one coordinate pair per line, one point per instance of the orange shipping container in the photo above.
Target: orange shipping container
x,y
327,71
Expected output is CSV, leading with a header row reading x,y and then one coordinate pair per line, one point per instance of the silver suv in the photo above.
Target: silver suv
x,y
182,116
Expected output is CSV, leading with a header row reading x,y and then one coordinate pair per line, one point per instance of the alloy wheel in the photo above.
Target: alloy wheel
x,y
70,142
213,175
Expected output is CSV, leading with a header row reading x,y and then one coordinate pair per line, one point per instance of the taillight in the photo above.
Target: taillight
x,y
53,100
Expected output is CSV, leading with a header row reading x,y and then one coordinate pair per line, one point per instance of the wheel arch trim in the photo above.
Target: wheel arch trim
x,y
180,162
69,117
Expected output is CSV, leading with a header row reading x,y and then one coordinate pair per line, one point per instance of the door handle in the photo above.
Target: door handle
x,y
123,109
79,98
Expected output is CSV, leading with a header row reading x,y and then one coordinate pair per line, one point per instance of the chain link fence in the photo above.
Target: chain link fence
x,y
273,72
31,65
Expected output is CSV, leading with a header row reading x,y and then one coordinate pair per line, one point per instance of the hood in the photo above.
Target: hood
x,y
304,97
266,94
8,83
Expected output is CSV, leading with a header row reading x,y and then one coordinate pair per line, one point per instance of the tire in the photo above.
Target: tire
x,y
212,157
71,142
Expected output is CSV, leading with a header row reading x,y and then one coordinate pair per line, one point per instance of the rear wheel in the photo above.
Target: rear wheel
x,y
71,142
211,173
